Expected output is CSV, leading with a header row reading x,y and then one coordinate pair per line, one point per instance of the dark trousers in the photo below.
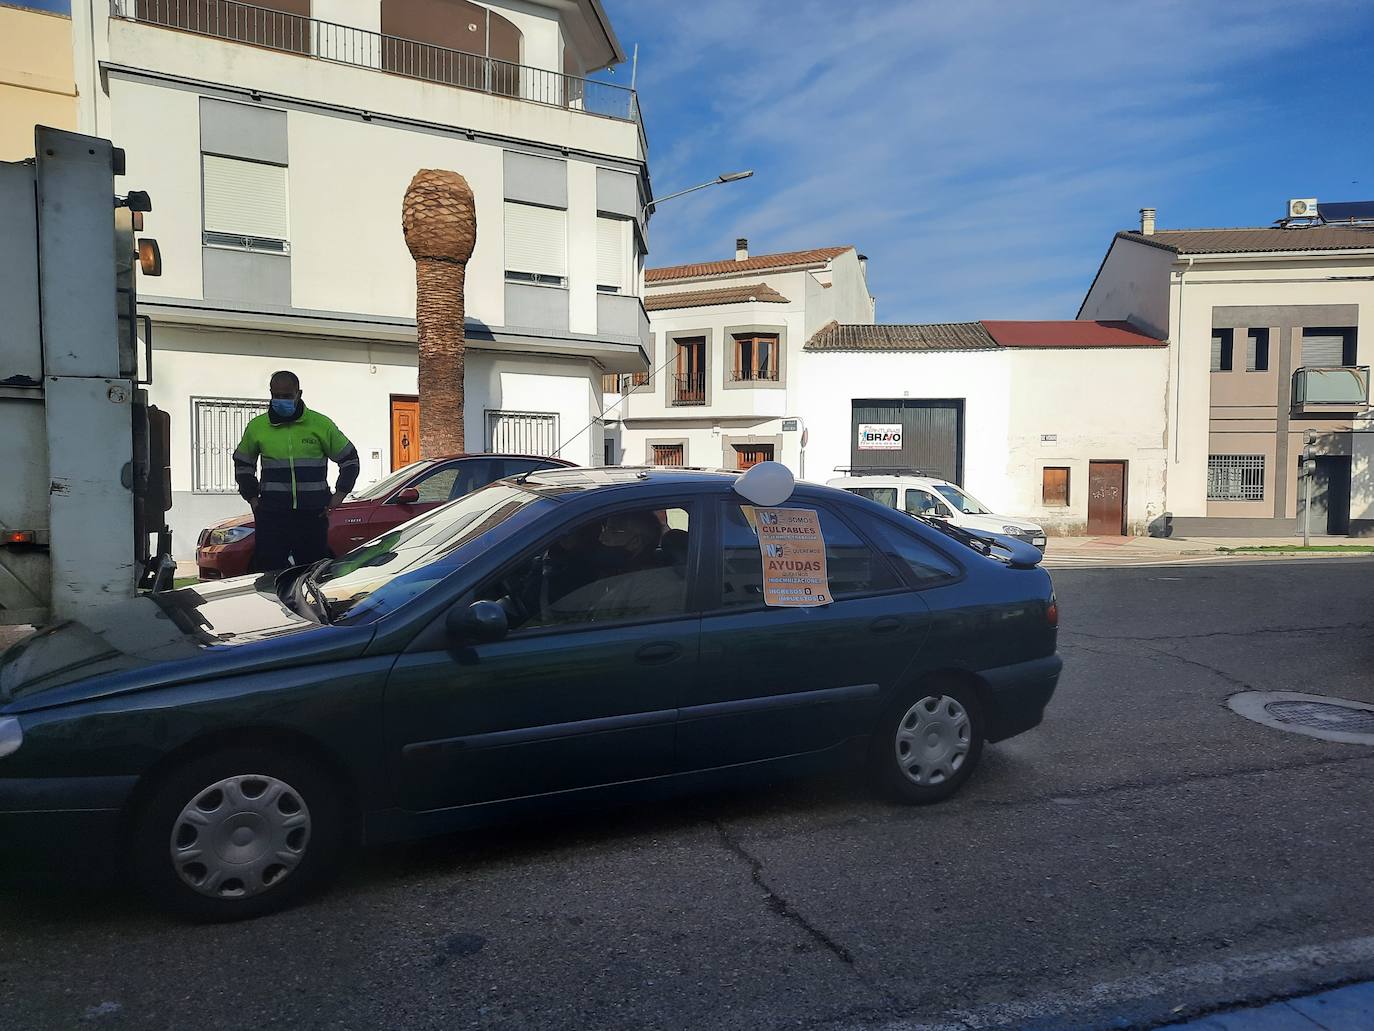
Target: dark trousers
x,y
289,538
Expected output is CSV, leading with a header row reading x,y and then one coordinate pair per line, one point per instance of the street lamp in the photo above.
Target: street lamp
x,y
724,177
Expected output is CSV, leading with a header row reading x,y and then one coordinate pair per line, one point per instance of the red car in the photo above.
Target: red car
x,y
226,549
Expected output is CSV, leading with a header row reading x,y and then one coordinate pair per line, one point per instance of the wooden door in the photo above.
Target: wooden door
x,y
1107,498
405,431
749,455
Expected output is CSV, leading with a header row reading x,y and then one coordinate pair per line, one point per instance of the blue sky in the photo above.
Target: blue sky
x,y
983,153
61,6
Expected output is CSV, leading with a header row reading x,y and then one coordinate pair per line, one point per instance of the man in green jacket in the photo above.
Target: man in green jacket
x,y
292,500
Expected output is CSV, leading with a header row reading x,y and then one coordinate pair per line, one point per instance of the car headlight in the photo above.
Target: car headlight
x,y
1015,531
230,534
11,735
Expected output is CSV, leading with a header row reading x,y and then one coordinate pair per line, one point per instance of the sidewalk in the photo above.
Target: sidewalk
x,y
1068,551
1341,1009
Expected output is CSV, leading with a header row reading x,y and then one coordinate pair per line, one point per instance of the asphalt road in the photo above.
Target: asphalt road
x,y
1144,855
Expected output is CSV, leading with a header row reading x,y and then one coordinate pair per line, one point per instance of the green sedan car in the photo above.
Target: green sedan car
x,y
567,636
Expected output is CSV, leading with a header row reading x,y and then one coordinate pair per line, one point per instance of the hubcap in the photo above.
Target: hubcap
x,y
933,740
240,836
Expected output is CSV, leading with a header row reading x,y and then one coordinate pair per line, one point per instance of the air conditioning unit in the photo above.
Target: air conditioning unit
x,y
1302,207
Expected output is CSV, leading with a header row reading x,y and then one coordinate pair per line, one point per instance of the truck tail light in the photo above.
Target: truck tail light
x,y
17,536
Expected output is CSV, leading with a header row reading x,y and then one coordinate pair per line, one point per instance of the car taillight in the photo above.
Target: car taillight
x,y
1052,612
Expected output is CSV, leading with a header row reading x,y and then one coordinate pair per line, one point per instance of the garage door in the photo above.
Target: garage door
x,y
909,434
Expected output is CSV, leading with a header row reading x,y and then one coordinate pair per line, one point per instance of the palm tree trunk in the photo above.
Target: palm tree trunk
x,y
439,320
439,220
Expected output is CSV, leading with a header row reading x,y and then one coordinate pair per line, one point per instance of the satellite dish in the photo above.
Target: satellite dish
x,y
766,484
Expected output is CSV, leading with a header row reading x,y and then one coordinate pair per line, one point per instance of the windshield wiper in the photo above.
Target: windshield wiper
x,y
310,591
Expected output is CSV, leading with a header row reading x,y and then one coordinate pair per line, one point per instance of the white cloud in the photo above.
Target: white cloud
x,y
981,153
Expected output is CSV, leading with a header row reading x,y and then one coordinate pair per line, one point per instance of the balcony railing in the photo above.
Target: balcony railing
x,y
689,389
1334,389
326,41
754,375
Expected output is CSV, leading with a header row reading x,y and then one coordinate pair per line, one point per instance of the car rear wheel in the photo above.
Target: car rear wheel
x,y
237,834
928,742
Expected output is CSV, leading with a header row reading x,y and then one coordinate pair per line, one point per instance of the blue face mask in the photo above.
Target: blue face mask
x,y
282,407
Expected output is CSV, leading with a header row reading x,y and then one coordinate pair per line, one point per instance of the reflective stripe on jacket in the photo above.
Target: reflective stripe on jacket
x,y
295,458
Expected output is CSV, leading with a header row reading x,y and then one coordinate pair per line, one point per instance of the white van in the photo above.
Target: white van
x,y
937,499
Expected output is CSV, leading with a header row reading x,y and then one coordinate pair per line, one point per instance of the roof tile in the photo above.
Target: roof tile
x,y
1069,333
1264,238
787,259
757,292
940,336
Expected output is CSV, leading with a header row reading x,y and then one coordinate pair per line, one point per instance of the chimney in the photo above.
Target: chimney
x,y
741,248
1147,221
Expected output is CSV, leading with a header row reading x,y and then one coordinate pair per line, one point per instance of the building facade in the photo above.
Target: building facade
x,y
1062,422
277,141
37,79
1269,341
728,335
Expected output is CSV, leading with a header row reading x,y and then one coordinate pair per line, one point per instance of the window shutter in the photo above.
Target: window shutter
x,y
610,252
246,198
536,240
1323,349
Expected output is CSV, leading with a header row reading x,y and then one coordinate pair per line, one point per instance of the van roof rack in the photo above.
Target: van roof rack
x,y
881,470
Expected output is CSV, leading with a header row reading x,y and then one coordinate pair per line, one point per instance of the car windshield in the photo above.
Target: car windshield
x,y
384,574
965,503
882,495
386,485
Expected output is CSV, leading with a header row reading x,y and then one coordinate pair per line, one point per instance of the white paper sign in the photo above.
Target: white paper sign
x,y
880,436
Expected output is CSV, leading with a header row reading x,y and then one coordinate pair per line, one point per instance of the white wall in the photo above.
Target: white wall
x,y
569,388
347,181
351,381
1099,404
830,383
1132,284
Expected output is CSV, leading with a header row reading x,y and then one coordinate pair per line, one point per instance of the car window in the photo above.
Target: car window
x,y
882,495
626,566
516,466
854,568
474,474
383,574
906,550
965,503
437,485
384,487
923,503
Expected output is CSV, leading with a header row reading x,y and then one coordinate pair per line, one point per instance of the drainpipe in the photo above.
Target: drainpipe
x,y
1178,360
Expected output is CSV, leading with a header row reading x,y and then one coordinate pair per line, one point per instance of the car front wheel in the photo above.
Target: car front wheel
x,y
928,742
237,834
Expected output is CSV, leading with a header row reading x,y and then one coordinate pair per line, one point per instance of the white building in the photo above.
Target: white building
x,y
1269,332
1062,422
728,334
277,141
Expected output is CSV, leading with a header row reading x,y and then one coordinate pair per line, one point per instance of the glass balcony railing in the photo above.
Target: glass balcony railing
x,y
1333,389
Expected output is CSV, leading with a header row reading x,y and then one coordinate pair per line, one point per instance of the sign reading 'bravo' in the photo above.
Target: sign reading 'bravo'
x,y
880,436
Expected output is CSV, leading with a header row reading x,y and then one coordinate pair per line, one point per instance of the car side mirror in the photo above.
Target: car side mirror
x,y
480,621
408,496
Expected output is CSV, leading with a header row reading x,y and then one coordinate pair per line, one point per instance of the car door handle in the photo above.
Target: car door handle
x,y
660,651
885,625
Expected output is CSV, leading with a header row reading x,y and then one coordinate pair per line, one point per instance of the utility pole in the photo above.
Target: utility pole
x,y
1309,473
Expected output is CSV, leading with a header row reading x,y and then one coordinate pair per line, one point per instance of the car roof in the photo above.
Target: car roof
x,y
892,480
554,483
500,454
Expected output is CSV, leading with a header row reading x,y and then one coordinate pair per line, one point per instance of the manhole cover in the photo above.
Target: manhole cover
x,y
1331,719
